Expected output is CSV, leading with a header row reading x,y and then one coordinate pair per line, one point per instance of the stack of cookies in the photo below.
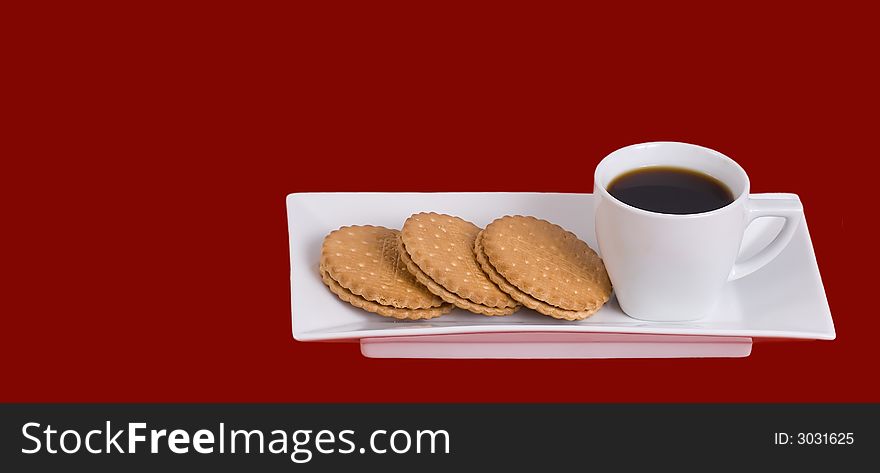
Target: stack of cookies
x,y
439,261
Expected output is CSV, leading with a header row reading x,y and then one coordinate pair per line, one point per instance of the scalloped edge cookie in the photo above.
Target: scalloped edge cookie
x,y
365,260
522,297
449,296
547,262
442,247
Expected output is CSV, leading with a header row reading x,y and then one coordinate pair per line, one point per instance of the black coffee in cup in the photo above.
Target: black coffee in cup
x,y
670,190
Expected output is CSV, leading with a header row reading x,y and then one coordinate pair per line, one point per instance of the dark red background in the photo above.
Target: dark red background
x,y
148,150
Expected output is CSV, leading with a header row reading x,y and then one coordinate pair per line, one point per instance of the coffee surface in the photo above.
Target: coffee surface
x,y
670,190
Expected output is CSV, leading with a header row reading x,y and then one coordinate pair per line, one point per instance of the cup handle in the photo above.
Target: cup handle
x,y
787,206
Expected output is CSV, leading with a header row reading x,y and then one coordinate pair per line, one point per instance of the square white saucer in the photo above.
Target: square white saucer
x,y
785,299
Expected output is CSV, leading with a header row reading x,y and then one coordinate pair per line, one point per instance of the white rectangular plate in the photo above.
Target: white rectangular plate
x,y
785,299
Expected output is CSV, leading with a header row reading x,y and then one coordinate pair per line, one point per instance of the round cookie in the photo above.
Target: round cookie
x,y
546,262
522,297
442,248
370,306
451,297
364,260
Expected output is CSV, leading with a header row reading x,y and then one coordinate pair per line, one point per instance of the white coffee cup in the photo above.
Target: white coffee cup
x,y
667,267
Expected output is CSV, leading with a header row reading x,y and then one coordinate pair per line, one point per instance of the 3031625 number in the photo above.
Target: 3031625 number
x,y
813,438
